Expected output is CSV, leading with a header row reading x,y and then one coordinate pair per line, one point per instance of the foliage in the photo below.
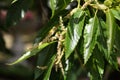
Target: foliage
x,y
82,40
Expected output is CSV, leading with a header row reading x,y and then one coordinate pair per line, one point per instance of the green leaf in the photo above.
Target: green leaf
x,y
14,1
62,4
99,61
94,74
102,37
75,71
92,69
116,49
117,40
53,5
15,11
31,52
111,36
43,59
71,75
74,31
48,71
90,37
116,13
108,2
113,61
111,27
58,5
96,64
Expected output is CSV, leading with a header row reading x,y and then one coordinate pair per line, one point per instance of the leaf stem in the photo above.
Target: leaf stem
x,y
78,4
86,4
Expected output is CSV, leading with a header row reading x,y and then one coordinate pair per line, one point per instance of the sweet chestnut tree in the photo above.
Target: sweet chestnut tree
x,y
76,42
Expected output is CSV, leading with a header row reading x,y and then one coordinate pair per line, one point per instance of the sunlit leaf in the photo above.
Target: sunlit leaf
x,y
116,13
111,27
90,37
31,52
116,49
14,1
53,4
108,2
74,31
